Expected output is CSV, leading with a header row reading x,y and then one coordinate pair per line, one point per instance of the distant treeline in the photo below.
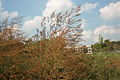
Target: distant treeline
x,y
107,46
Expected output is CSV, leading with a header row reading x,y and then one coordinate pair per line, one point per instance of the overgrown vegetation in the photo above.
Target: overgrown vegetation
x,y
45,56
106,46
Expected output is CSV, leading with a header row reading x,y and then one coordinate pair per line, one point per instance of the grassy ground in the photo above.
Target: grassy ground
x,y
61,66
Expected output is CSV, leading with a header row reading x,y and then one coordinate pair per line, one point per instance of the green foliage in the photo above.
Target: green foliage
x,y
106,46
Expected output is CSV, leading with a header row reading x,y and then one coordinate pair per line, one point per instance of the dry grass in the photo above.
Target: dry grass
x,y
53,62
47,58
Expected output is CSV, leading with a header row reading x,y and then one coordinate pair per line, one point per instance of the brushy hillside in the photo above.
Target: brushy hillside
x,y
53,62
45,56
49,60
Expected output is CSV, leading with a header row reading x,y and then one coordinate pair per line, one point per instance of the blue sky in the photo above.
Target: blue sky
x,y
25,7
100,16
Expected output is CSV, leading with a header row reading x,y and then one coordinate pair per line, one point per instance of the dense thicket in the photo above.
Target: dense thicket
x,y
45,55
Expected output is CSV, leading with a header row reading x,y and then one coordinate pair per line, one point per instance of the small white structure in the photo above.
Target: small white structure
x,y
85,49
89,49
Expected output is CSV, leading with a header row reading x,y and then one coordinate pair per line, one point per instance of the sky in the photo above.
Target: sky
x,y
99,16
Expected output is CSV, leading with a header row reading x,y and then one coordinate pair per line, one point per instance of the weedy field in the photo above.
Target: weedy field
x,y
45,55
58,65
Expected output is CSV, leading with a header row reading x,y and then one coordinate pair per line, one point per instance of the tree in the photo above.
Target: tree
x,y
9,29
11,38
101,41
66,25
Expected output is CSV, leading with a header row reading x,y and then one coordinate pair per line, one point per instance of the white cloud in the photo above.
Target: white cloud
x,y
57,5
108,32
31,25
87,34
88,6
1,6
111,11
4,13
83,23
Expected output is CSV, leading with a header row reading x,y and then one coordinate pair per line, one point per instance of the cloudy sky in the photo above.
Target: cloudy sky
x,y
99,16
